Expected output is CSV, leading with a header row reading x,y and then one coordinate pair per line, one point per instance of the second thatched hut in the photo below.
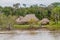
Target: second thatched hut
x,y
44,21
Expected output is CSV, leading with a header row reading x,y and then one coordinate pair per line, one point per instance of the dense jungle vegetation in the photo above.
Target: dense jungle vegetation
x,y
9,14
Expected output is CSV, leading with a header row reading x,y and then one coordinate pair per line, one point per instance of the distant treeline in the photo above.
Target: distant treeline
x,y
52,11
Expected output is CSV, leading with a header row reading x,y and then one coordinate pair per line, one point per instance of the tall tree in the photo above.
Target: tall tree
x,y
17,5
24,5
56,14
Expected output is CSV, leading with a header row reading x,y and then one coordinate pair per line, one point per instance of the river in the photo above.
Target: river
x,y
31,35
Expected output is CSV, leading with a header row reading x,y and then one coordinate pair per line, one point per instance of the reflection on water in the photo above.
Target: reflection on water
x,y
31,35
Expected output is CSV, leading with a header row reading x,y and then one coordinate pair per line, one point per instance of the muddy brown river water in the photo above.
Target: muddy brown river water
x,y
31,35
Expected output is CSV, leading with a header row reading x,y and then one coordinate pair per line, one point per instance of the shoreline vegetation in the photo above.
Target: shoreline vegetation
x,y
51,27
30,18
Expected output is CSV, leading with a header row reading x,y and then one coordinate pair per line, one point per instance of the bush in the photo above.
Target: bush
x,y
6,22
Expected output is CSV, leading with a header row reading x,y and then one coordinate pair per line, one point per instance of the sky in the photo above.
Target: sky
x,y
28,2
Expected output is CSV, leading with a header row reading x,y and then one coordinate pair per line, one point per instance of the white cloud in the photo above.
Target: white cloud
x,y
28,2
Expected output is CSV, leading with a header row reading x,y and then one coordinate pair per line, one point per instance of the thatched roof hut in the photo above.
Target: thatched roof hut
x,y
18,19
26,19
44,21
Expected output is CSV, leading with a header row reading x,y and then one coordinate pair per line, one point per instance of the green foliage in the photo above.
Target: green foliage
x,y
39,11
7,11
9,14
21,26
24,26
56,4
56,14
6,22
32,21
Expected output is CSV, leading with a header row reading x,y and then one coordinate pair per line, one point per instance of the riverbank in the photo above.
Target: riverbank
x,y
36,27
26,27
30,35
51,26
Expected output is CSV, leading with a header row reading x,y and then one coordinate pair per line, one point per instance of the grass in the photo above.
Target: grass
x,y
25,26
51,26
21,26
